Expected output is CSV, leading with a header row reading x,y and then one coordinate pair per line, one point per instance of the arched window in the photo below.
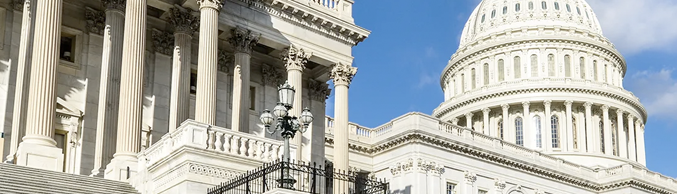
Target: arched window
x,y
601,136
483,17
594,70
582,68
486,74
568,8
518,67
473,78
493,13
557,6
551,65
500,129
554,125
578,10
517,7
519,138
537,127
505,10
567,65
614,137
574,128
534,65
501,70
531,5
604,76
462,83
544,5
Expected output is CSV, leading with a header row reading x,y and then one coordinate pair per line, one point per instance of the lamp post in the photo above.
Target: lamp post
x,y
287,125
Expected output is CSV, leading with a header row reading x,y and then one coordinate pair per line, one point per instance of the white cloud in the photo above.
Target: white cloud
x,y
658,92
426,79
638,25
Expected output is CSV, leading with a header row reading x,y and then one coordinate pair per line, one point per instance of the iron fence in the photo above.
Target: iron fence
x,y
301,177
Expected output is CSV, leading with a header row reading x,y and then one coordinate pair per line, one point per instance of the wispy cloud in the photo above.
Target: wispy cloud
x,y
426,79
638,25
658,92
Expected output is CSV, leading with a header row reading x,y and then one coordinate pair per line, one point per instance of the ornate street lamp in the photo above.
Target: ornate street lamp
x,y
287,125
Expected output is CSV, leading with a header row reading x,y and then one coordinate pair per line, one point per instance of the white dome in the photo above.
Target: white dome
x,y
493,16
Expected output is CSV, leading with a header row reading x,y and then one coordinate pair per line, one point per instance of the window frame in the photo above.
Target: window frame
x,y
536,119
554,131
519,131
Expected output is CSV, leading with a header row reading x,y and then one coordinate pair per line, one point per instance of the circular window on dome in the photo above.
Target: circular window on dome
x,y
568,8
531,5
505,10
517,7
557,6
544,5
493,13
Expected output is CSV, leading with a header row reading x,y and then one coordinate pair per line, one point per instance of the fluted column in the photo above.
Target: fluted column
x,y
22,77
468,120
109,95
569,125
631,138
641,150
295,61
185,26
205,100
39,144
547,143
342,75
527,134
622,140
485,117
506,120
242,40
131,93
590,137
608,146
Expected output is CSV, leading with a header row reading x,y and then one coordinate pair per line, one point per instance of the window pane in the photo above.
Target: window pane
x,y
594,70
483,18
567,65
556,6
493,13
568,8
537,127
544,5
518,68
473,78
534,66
517,7
486,74
500,128
578,10
582,68
519,139
501,70
462,83
252,98
554,125
531,5
551,65
505,10
575,131
450,188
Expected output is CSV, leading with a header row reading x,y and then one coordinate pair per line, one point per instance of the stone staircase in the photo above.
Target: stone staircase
x,y
19,179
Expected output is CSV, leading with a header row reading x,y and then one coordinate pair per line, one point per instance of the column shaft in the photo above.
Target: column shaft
x,y
631,138
569,125
527,133
294,76
608,145
180,94
22,77
622,140
342,76
485,117
109,95
506,120
641,149
242,40
468,121
205,99
589,135
548,128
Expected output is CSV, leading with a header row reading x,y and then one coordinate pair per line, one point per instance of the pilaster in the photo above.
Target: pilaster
x,y
318,92
641,149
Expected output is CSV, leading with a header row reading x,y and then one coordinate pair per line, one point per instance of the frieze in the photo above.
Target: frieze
x,y
163,42
183,21
96,21
429,166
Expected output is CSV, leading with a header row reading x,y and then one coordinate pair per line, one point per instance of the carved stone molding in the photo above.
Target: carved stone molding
x,y
163,42
401,167
214,4
96,21
319,91
117,5
242,39
499,184
429,166
19,4
224,61
295,58
342,74
469,177
183,21
271,76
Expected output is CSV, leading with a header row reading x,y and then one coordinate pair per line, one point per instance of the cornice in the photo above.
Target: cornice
x,y
301,15
637,105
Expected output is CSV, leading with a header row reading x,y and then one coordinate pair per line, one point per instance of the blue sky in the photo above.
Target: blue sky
x,y
411,42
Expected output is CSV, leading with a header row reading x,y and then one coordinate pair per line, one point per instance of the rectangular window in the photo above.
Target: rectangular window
x,y
450,188
518,68
67,47
501,70
193,82
534,66
252,98
480,191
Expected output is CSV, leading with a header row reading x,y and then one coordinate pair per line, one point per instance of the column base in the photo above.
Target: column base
x,y
10,159
121,168
40,156
98,172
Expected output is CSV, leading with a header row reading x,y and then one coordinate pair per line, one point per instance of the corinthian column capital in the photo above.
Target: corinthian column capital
x,y
271,76
116,5
224,61
505,107
568,103
342,74
295,58
163,42
243,39
605,108
319,91
587,104
214,4
183,21
486,110
547,103
96,21
19,4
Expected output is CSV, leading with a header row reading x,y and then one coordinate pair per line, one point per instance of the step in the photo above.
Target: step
x,y
75,187
26,171
23,187
23,175
121,186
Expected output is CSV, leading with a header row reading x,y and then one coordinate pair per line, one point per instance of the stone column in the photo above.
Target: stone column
x,y
468,120
631,138
185,26
295,60
109,95
590,137
547,141
485,117
342,75
622,140
641,151
506,119
569,125
242,40
22,77
38,148
319,92
124,162
205,99
608,146
527,134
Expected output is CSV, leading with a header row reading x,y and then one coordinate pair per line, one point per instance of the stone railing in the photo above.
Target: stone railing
x,y
355,129
329,4
216,139
630,171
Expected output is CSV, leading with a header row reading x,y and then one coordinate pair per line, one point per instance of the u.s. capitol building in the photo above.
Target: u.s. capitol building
x,y
164,96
